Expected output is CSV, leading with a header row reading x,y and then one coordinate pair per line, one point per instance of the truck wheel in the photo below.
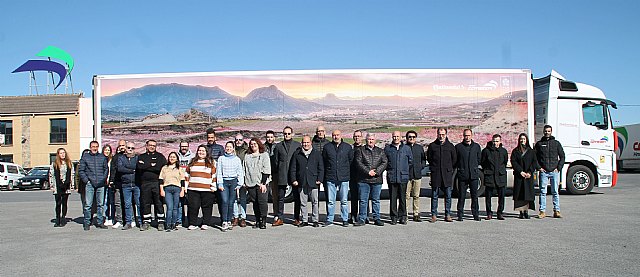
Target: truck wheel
x,y
580,180
10,185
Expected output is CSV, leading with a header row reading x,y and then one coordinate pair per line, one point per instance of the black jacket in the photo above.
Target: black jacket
x,y
355,173
441,157
550,154
319,143
523,189
468,160
494,165
400,160
149,167
337,162
368,159
215,150
419,161
306,170
282,154
94,168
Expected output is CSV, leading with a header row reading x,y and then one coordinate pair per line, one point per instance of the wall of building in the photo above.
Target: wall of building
x,y
34,130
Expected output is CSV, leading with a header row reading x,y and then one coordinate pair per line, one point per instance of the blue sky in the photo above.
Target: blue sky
x,y
593,42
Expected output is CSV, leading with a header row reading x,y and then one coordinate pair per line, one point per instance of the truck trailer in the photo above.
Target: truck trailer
x,y
174,107
628,151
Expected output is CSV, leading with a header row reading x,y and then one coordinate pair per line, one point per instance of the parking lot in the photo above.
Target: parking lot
x,y
598,236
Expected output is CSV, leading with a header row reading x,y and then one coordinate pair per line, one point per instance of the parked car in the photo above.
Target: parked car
x,y
9,175
38,177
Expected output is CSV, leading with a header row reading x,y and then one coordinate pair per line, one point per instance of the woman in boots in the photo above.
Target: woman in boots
x,y
61,178
523,161
256,174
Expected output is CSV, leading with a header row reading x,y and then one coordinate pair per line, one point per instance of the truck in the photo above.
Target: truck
x,y
628,152
174,107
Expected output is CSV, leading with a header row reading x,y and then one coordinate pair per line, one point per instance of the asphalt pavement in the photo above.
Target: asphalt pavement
x,y
598,236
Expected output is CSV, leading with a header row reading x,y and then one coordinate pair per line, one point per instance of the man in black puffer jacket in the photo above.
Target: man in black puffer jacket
x,y
93,171
550,155
371,162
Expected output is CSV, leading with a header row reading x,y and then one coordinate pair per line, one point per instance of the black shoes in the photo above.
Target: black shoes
x,y
358,224
101,226
345,224
393,221
500,217
86,227
378,222
316,224
303,224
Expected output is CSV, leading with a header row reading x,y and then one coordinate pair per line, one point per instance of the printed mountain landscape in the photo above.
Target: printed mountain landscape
x,y
177,99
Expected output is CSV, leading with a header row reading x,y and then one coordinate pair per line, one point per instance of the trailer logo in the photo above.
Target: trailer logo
x,y
48,65
491,85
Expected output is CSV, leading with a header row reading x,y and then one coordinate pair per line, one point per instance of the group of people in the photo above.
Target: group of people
x,y
239,172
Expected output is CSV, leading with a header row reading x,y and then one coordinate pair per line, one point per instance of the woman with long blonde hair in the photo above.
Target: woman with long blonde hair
x,y
61,178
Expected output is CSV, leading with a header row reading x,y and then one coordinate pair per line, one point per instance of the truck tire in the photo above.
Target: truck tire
x,y
580,180
10,186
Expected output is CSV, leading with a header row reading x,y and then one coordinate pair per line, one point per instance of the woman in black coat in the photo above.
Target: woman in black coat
x,y
523,161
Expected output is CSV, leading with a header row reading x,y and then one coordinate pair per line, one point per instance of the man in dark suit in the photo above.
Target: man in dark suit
x,y
282,154
306,172
441,155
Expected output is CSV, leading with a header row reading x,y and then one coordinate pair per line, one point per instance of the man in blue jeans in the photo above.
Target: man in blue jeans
x,y
550,155
126,171
337,157
370,162
93,171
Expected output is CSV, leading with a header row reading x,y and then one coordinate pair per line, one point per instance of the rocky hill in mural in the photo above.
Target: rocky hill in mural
x,y
178,99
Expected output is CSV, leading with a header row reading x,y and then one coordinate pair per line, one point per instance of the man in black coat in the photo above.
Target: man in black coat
x,y
441,156
494,167
468,159
269,146
306,173
282,154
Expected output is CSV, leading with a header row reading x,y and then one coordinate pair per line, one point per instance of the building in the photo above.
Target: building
x,y
34,127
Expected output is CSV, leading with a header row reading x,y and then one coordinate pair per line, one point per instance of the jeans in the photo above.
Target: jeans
x,y
462,196
331,200
131,192
545,178
228,196
369,191
172,197
447,200
240,205
89,194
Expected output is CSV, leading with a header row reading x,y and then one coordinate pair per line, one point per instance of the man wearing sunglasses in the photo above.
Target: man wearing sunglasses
x,y
415,173
126,171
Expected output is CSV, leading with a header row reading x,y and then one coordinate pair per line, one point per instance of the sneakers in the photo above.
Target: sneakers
x,y
160,226
126,227
191,227
144,227
133,224
117,225
108,222
225,226
541,215
204,227
556,214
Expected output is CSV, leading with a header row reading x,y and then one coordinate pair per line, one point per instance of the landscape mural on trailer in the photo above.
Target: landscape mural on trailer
x,y
171,109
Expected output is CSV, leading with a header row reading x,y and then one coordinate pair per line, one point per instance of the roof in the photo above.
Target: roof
x,y
39,104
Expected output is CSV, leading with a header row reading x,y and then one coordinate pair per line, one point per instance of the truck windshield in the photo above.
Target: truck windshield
x,y
595,115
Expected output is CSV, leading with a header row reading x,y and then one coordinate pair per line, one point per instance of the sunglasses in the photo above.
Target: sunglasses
x,y
411,136
286,134
131,148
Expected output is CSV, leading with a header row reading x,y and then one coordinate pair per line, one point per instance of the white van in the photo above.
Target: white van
x,y
9,175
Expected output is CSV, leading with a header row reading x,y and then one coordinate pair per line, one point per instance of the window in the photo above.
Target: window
x,y
12,169
58,132
6,128
7,159
595,115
